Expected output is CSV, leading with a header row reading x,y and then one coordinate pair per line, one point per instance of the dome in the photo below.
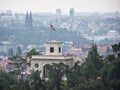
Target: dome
x,y
112,33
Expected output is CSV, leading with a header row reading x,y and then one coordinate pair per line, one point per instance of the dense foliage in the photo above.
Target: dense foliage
x,y
39,35
31,52
96,73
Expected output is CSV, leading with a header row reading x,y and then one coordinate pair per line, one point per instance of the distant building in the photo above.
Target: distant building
x,y
7,19
117,24
72,12
53,54
28,20
64,25
58,12
113,33
3,65
4,47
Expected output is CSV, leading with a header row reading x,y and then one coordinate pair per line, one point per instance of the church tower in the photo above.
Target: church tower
x,y
53,54
72,12
28,20
53,48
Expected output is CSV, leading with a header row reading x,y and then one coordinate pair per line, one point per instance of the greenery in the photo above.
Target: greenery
x,y
36,83
37,35
31,52
96,73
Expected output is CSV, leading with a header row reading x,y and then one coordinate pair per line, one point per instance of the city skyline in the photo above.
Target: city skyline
x,y
52,5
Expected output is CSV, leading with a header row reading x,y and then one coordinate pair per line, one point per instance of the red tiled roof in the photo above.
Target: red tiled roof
x,y
103,48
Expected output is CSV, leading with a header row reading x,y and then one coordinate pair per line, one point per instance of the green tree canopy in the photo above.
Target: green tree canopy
x,y
32,52
56,75
36,83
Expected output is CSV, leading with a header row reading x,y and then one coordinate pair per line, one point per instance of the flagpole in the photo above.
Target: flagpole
x,y
50,35
52,30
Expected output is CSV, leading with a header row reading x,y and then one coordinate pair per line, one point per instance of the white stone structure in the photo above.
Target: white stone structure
x,y
53,54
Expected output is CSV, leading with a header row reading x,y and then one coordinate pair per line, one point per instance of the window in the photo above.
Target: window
x,y
36,65
51,49
59,49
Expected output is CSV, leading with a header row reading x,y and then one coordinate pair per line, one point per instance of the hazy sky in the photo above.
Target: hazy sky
x,y
65,5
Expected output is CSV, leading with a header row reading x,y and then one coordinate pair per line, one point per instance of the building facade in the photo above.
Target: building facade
x,y
58,12
72,12
53,54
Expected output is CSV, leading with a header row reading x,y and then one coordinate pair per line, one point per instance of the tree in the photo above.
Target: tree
x,y
56,76
111,74
32,52
9,82
20,62
75,76
36,83
23,85
94,57
6,81
93,64
86,75
116,49
78,80
92,85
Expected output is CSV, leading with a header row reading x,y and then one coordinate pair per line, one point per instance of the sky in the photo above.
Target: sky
x,y
64,5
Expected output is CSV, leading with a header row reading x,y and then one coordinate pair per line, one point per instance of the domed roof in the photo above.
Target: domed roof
x,y
112,33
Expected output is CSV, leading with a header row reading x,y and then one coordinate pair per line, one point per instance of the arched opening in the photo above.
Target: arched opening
x,y
46,70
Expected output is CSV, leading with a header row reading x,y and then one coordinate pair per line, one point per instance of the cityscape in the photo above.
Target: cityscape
x,y
78,29
61,49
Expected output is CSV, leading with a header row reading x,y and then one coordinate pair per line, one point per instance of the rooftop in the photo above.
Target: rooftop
x,y
53,42
50,57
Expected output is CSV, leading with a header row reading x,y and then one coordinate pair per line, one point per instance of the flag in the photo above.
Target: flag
x,y
52,28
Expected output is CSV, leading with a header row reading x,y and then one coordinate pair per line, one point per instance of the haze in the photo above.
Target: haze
x,y
64,5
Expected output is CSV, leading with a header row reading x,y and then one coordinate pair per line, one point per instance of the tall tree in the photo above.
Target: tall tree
x,y
56,75
36,83
32,52
116,49
6,81
111,74
93,64
75,76
23,85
